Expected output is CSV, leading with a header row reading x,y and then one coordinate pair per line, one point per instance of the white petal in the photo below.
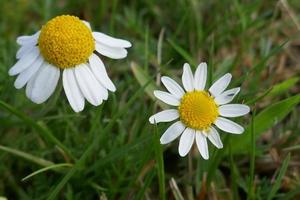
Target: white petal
x,y
28,39
187,78
23,50
214,137
220,85
89,86
173,87
228,126
202,144
72,91
111,41
167,98
24,62
200,76
111,52
227,96
44,83
28,73
100,73
172,133
186,142
164,116
87,24
29,85
233,110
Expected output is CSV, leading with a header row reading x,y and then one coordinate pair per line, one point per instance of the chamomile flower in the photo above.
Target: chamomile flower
x,y
199,111
67,44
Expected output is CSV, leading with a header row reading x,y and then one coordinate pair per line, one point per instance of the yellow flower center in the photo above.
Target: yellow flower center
x,y
65,41
198,110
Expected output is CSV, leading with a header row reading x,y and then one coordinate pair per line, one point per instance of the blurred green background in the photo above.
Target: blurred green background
x,y
111,151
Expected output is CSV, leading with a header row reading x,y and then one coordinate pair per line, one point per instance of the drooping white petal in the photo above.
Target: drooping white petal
x,y
72,91
111,41
186,142
27,74
44,83
227,96
89,86
164,116
200,76
98,69
23,50
172,132
233,110
214,137
111,52
24,62
173,87
202,144
228,126
29,85
187,78
167,98
220,85
28,39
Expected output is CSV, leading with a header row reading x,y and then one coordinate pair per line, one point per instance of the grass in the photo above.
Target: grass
x,y
112,152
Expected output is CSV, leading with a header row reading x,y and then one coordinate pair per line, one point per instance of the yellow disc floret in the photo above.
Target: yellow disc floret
x,y
65,41
198,110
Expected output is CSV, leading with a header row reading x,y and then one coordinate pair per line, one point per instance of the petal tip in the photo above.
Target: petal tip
x,y
152,120
205,157
162,141
182,154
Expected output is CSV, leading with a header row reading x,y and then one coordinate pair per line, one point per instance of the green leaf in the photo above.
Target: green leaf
x,y
27,156
51,167
40,127
89,150
278,180
283,86
143,78
182,52
266,119
159,164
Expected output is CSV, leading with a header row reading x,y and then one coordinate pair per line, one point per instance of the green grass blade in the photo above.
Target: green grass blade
x,y
215,161
251,192
148,180
234,173
142,77
292,148
51,167
78,164
283,86
278,180
39,126
27,156
159,164
264,120
256,99
182,52
90,148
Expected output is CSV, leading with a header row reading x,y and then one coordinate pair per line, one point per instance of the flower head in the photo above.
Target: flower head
x,y
67,43
198,110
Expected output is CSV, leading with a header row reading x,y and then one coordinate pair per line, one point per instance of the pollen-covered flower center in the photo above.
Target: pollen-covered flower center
x,y
198,110
65,41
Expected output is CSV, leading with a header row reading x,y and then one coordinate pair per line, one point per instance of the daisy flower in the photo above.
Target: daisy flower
x,y
66,43
198,110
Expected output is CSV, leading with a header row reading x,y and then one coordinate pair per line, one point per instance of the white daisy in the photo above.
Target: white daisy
x,y
198,110
66,43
